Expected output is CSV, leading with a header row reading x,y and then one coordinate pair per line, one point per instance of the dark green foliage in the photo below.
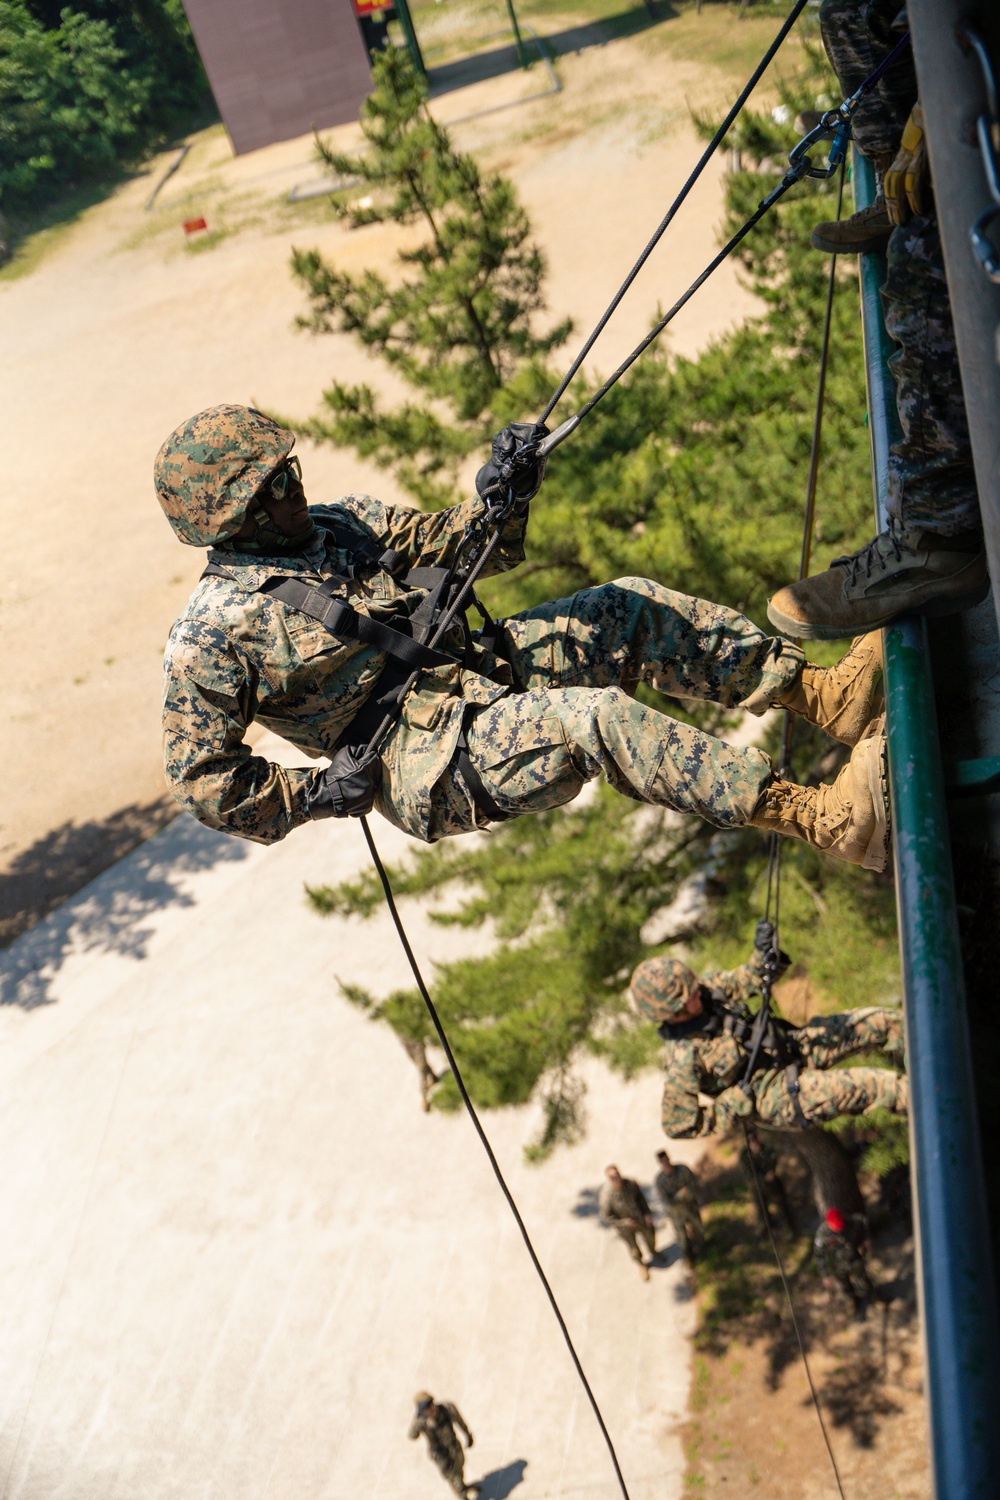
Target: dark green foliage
x,y
880,1142
459,326
692,472
404,1011
86,89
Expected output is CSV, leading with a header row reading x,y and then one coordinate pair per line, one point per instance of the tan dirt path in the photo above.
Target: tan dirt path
x,y
234,1246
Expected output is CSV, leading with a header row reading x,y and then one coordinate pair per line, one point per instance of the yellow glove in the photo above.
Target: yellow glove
x,y
907,181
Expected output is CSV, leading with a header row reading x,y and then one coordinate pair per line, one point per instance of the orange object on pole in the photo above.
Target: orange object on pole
x,y
191,226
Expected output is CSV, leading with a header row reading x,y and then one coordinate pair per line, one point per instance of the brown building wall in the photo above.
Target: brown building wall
x,y
279,68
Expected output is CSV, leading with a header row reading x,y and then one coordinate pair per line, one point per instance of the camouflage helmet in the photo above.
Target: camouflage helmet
x,y
209,470
660,988
423,1398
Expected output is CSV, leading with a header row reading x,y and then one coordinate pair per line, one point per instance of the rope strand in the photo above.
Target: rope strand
x,y
498,1174
668,217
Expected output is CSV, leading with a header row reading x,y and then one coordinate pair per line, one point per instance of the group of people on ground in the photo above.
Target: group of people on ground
x,y
623,1207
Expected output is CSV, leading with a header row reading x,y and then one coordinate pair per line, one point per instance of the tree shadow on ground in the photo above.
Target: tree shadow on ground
x,y
498,1484
111,916
463,71
743,1303
63,861
72,200
854,1393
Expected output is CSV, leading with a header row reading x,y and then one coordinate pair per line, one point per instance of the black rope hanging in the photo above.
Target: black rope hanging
x,y
836,124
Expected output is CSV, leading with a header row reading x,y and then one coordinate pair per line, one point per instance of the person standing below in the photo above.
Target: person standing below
x,y
623,1208
437,1421
839,1248
760,1168
677,1187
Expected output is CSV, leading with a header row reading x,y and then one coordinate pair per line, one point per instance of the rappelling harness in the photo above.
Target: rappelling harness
x,y
405,641
768,1041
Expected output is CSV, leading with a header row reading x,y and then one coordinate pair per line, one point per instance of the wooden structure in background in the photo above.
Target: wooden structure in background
x,y
279,68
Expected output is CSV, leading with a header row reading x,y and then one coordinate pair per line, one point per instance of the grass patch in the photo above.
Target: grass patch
x,y
33,237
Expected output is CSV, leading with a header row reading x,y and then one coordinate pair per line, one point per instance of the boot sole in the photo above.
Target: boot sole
x,y
805,630
866,247
877,853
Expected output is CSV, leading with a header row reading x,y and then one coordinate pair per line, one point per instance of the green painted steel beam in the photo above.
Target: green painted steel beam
x,y
955,1272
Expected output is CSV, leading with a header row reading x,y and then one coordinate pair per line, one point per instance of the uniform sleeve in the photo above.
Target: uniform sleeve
x,y
458,1419
731,1105
207,705
737,984
414,1431
689,1184
604,1210
432,538
681,1113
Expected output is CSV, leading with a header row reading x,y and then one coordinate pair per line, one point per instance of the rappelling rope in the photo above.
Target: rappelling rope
x,y
498,1174
835,123
799,167
668,217
773,900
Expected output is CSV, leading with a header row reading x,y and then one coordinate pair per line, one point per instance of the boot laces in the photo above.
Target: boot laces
x,y
874,552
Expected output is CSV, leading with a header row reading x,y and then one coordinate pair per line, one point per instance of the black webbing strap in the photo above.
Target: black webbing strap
x,y
349,624
480,796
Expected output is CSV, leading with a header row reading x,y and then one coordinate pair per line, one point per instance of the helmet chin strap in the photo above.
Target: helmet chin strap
x,y
267,540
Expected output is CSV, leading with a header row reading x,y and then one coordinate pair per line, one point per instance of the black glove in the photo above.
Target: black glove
x,y
526,474
763,936
346,789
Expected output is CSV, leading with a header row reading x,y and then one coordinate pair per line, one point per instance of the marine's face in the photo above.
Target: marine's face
x,y
290,514
284,499
694,1007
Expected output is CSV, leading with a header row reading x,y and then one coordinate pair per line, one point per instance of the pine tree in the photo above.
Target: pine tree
x,y
692,471
459,327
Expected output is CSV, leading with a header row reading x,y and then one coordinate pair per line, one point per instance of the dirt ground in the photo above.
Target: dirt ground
x,y
116,329
752,1421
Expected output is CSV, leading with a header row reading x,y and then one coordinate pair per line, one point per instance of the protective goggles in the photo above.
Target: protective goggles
x,y
280,483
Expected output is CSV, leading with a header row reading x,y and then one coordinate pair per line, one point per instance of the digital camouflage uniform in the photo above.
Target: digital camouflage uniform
x,y
931,480
617,1205
837,1256
677,1187
932,483
761,1167
701,1073
857,35
536,736
438,1423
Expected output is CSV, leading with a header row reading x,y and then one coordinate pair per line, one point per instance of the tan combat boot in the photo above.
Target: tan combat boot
x,y
843,699
866,230
901,571
849,819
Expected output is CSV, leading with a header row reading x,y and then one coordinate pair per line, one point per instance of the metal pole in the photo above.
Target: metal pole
x,y
410,36
953,95
955,1272
522,56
